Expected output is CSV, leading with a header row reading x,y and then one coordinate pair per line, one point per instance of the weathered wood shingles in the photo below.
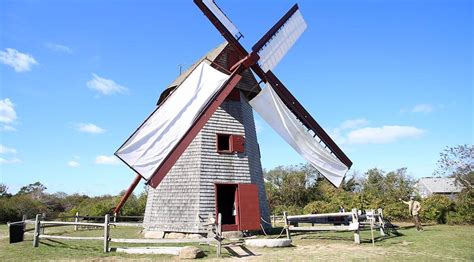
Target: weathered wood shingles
x,y
187,193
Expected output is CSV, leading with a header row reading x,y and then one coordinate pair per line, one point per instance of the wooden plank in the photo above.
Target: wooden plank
x,y
321,228
71,223
106,233
294,218
124,224
69,237
161,240
37,231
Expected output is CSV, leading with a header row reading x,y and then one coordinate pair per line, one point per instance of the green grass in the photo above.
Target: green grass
x,y
436,243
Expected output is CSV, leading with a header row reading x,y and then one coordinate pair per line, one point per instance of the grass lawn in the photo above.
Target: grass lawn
x,y
436,243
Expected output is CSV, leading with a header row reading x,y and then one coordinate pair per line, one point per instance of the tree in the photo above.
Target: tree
x,y
36,190
4,191
457,162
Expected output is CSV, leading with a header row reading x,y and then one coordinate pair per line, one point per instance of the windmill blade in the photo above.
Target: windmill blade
x,y
211,4
273,110
273,46
306,119
151,144
223,24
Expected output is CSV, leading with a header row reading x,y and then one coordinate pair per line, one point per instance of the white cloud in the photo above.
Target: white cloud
x,y
19,61
382,135
7,150
106,160
422,108
7,128
105,86
89,128
73,163
354,123
7,111
10,161
59,48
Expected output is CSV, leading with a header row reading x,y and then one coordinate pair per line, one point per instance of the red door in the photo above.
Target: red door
x,y
249,211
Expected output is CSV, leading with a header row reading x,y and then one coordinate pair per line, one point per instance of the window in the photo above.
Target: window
x,y
223,143
230,143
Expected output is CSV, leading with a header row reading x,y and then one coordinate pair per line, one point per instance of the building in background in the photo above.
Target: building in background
x,y
447,186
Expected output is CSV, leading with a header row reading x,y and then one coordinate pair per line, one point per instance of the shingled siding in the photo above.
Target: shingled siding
x,y
174,204
188,192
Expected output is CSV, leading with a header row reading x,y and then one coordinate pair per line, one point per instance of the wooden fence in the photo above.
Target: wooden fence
x,y
40,224
345,221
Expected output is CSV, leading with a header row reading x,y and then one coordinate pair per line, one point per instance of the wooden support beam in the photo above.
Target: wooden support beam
x,y
69,238
287,226
76,219
106,233
321,228
219,234
355,220
37,231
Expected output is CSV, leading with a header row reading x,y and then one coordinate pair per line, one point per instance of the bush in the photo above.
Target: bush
x,y
463,210
317,207
435,208
13,208
292,210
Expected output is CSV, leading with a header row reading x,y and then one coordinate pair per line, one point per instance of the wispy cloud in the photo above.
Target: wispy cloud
x,y
10,161
423,108
382,135
354,123
7,111
58,47
355,132
106,160
20,62
89,128
105,86
73,164
7,114
7,128
7,150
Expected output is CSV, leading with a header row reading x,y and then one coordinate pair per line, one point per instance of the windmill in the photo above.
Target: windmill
x,y
172,147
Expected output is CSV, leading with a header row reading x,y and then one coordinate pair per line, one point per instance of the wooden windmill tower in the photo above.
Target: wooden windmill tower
x,y
199,150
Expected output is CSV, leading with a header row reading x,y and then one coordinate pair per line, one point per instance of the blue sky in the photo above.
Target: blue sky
x,y
392,81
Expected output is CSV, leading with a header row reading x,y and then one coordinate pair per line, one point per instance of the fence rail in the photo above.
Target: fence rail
x,y
40,224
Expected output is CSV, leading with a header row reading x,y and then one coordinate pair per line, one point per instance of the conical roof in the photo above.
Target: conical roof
x,y
220,56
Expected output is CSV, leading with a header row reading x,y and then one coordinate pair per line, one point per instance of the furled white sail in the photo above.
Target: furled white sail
x,y
155,139
270,107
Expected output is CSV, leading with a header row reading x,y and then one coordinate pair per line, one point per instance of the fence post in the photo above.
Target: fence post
x,y
43,217
106,233
76,219
23,218
287,226
219,234
273,220
382,223
355,219
37,231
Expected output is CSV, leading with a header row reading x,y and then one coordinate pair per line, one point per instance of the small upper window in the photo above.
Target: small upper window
x,y
230,143
223,143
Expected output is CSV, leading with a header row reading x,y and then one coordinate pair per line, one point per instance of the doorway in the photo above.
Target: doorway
x,y
227,204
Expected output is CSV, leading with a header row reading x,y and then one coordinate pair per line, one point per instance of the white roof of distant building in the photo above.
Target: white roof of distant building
x,y
440,184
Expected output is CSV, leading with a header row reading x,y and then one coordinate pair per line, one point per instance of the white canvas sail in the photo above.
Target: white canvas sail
x,y
155,139
270,107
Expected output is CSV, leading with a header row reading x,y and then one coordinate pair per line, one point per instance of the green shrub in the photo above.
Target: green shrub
x,y
463,213
435,208
317,207
292,210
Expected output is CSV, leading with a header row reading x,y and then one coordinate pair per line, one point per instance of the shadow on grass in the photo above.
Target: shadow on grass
x,y
59,244
233,253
